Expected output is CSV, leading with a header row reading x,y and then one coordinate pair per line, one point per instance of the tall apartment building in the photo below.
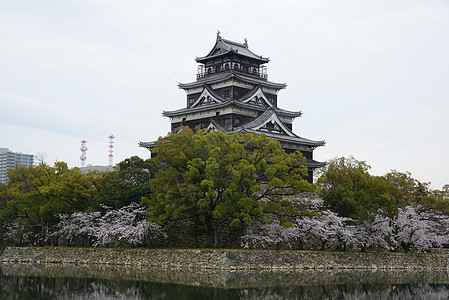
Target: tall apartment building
x,y
9,159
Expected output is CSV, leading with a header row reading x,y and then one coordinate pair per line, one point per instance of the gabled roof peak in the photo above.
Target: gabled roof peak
x,y
245,41
223,46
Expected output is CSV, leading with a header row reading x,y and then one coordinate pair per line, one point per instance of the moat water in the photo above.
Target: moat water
x,y
51,281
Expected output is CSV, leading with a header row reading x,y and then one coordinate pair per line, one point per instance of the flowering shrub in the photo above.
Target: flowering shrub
x,y
410,230
124,226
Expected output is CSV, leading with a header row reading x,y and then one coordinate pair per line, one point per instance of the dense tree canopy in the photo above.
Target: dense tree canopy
x,y
418,193
348,189
213,177
216,185
129,182
33,201
36,195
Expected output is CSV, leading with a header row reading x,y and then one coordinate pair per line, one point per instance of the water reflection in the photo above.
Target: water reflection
x,y
28,281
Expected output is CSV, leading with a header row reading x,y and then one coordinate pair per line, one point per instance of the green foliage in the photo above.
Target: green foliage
x,y
441,199
128,183
349,190
419,193
211,177
36,195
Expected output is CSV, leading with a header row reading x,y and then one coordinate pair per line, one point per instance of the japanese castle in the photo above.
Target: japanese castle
x,y
232,93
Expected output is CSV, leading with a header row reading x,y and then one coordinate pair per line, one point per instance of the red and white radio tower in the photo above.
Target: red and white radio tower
x,y
83,149
111,149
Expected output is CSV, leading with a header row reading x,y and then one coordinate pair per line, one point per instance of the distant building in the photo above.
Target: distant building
x,y
9,159
232,93
96,168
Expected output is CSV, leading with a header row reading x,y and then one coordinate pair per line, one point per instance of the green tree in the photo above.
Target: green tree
x,y
69,191
417,193
212,177
413,191
349,190
35,196
128,183
442,199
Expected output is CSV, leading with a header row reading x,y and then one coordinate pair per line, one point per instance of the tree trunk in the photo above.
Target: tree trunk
x,y
216,235
210,232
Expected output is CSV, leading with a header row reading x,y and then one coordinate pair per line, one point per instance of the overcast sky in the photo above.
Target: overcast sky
x,y
371,77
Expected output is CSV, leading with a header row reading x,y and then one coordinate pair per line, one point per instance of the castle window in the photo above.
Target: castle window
x,y
227,93
237,121
209,70
236,66
227,121
226,66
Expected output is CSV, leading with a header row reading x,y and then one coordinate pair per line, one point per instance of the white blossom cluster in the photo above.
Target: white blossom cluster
x,y
410,230
126,225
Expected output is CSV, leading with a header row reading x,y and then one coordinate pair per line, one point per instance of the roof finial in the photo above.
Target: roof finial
x,y
218,35
245,43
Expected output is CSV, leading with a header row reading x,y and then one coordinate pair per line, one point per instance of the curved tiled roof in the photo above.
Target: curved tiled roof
x,y
258,121
251,92
285,138
290,136
210,106
310,163
282,112
226,46
231,74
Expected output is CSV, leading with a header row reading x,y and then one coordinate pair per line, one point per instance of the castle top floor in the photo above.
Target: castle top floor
x,y
231,57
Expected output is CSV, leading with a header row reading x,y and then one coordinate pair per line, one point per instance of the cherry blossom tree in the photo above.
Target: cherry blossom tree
x,y
325,229
413,229
337,230
273,234
377,233
419,231
125,226
78,227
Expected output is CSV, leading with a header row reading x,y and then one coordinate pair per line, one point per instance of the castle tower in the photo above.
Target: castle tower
x,y
232,93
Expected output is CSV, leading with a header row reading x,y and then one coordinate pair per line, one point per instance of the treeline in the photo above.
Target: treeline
x,y
357,210
210,189
38,199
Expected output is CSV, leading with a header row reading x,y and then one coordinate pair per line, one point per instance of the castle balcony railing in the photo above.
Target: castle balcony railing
x,y
259,73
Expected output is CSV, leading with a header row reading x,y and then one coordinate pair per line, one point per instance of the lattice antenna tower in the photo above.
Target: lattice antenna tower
x,y
83,156
111,149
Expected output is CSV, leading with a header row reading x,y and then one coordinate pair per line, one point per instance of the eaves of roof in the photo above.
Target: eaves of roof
x,y
225,76
148,145
184,110
285,138
310,163
211,106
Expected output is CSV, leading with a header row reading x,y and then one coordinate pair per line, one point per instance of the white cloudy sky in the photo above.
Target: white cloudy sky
x,y
371,77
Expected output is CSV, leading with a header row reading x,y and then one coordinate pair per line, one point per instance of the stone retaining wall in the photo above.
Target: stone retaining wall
x,y
227,259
